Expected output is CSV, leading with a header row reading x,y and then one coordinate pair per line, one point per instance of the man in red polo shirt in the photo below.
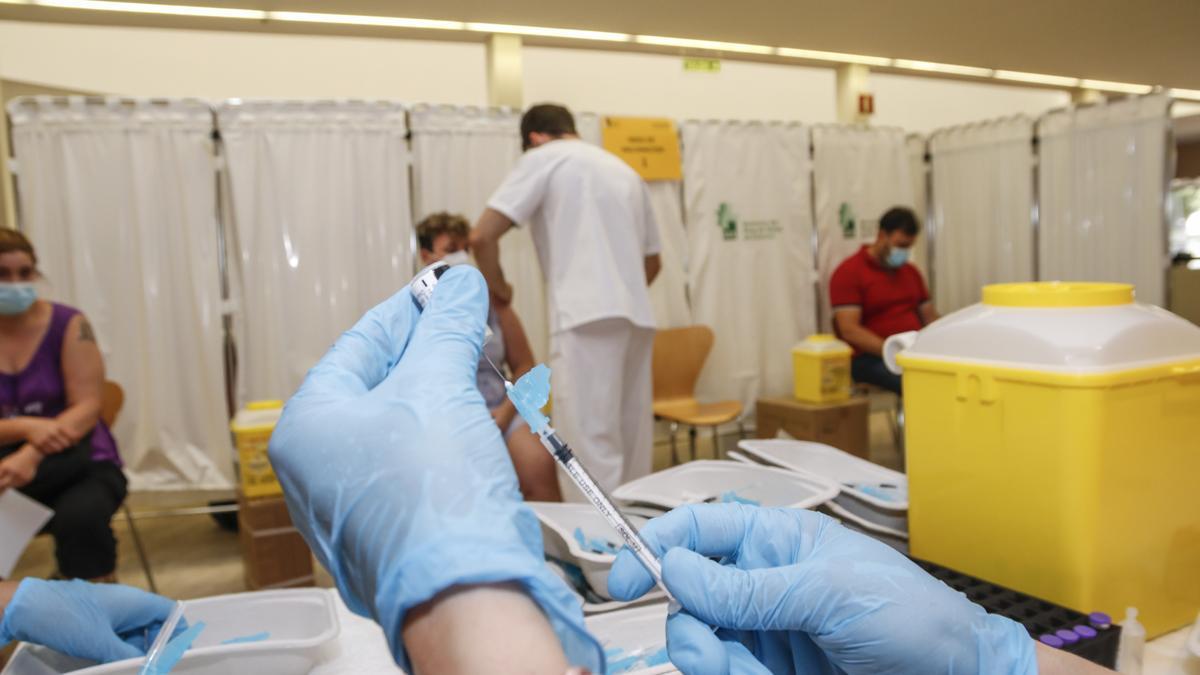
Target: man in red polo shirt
x,y
876,293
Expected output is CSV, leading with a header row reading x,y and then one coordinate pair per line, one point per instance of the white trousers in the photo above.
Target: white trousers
x,y
602,400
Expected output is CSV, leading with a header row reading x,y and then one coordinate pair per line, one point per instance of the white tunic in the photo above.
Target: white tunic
x,y
592,224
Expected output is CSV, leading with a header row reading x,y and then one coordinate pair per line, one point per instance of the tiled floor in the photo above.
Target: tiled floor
x,y
192,557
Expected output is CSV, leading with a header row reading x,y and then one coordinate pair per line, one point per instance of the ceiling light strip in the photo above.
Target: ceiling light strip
x,y
836,57
1123,87
1036,78
148,8
946,68
540,31
366,20
713,45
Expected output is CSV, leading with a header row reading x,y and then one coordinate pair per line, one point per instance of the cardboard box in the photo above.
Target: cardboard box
x,y
274,554
842,425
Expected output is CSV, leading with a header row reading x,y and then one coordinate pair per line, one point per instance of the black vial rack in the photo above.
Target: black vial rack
x,y
1038,616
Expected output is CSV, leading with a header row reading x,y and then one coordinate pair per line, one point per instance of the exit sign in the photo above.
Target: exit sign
x,y
695,65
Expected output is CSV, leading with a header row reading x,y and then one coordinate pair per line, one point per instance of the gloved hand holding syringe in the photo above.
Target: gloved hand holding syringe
x,y
529,395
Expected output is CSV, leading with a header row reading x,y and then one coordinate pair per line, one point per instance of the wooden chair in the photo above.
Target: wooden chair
x,y
679,356
111,401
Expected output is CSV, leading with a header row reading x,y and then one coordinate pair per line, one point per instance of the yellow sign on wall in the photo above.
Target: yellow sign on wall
x,y
648,144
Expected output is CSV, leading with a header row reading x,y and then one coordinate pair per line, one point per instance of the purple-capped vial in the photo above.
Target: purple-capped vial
x,y
1067,636
1051,640
1100,620
1085,632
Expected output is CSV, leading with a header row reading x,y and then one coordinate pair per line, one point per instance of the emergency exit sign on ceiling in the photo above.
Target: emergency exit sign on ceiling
x,y
696,65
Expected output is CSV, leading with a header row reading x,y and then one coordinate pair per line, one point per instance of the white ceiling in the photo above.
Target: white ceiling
x,y
1146,41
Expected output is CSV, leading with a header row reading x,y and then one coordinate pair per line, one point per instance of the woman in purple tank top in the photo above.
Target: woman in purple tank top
x,y
53,446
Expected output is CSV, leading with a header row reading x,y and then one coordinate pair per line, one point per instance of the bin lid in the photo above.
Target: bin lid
x,y
822,343
1076,328
256,418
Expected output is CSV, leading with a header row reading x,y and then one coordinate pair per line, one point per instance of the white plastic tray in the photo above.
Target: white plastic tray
x,y
895,539
848,471
707,480
630,630
559,522
299,621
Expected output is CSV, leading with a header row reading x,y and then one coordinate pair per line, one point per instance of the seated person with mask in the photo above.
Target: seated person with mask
x,y
53,446
877,293
443,236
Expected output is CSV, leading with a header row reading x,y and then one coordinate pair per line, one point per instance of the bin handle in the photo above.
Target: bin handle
x,y
893,346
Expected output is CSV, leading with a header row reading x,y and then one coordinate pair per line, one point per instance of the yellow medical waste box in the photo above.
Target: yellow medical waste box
x,y
1053,440
821,368
252,427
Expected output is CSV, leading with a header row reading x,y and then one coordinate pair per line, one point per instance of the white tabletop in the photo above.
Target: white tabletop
x,y
361,648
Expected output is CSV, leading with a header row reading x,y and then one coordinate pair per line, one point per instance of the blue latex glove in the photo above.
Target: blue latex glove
x,y
98,622
798,593
397,476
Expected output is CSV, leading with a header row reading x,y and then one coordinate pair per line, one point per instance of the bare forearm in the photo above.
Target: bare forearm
x,y
81,417
1057,662
12,430
863,340
487,257
653,267
7,588
493,628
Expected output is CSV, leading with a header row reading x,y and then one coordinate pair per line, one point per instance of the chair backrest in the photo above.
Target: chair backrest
x,y
679,356
111,400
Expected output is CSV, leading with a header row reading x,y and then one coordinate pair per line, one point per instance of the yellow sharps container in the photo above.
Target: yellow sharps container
x,y
252,427
1053,440
821,368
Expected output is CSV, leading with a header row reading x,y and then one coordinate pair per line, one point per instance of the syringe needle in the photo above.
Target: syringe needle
x,y
502,377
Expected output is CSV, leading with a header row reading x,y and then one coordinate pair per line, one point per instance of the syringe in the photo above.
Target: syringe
x,y
587,485
529,407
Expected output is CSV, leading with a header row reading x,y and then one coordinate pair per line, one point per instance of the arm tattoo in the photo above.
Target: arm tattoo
x,y
85,332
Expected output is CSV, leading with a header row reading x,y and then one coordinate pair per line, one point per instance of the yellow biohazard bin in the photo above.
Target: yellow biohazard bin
x,y
821,367
1053,440
252,427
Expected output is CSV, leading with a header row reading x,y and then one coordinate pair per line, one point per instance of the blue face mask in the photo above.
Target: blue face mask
x,y
896,257
16,298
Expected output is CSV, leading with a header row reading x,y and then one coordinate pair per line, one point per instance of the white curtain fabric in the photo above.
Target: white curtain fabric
x,y
982,208
750,267
319,195
858,174
460,156
668,293
119,200
919,174
1102,179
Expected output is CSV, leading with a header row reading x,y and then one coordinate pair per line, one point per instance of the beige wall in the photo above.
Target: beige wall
x,y
625,83
922,104
216,65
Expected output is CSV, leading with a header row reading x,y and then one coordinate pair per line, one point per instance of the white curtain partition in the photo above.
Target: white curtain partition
x,y
1102,190
322,224
982,208
750,268
668,293
460,156
119,199
858,174
918,174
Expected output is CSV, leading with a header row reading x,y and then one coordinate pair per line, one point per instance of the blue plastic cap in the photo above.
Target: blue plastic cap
x,y
1051,640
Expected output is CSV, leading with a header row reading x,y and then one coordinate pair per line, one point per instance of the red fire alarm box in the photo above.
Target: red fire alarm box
x,y
866,104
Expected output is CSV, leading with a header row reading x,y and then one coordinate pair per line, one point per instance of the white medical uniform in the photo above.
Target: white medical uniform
x,y
592,225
